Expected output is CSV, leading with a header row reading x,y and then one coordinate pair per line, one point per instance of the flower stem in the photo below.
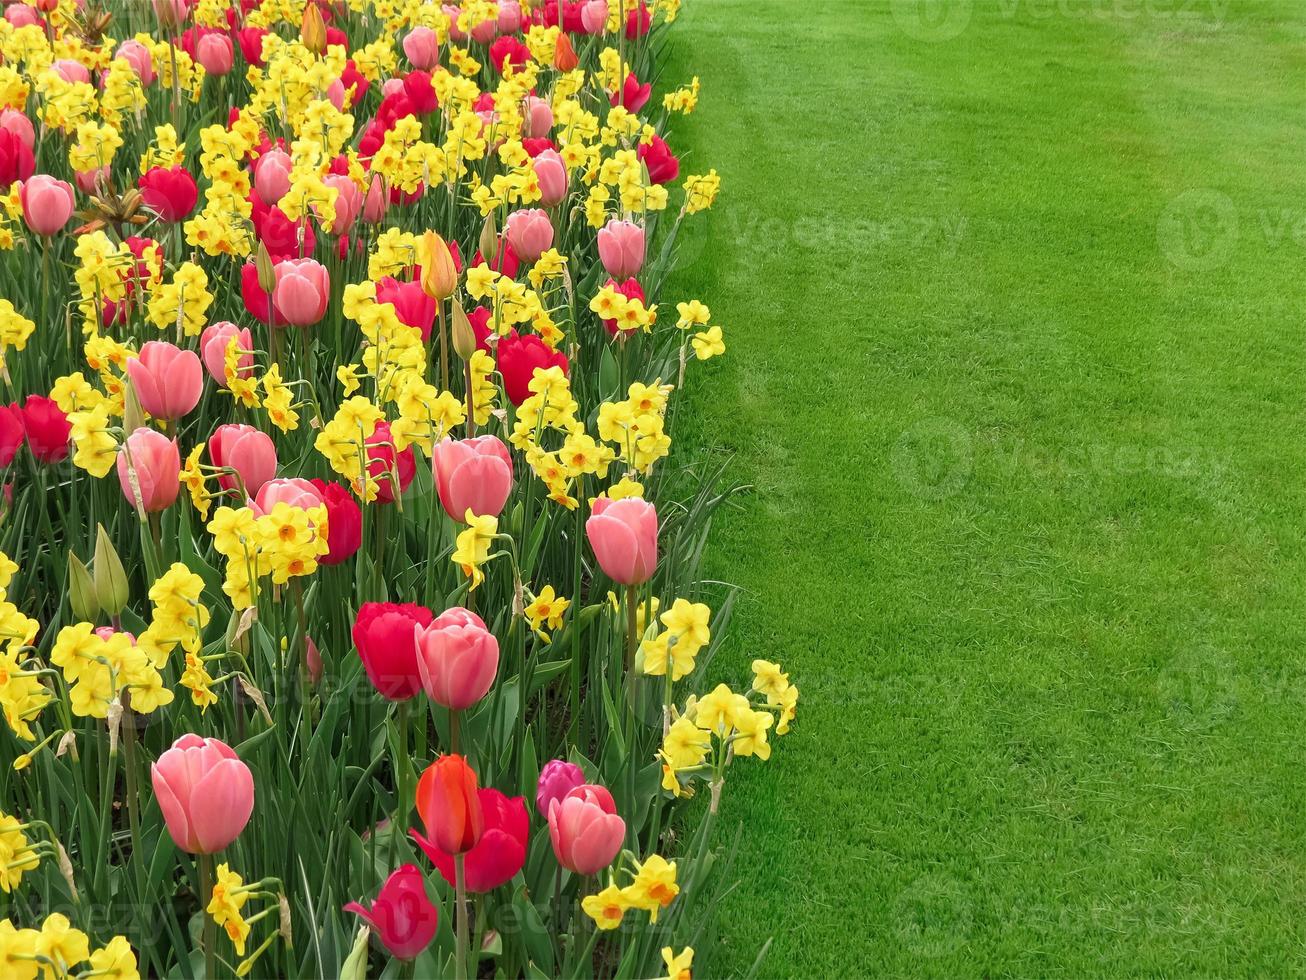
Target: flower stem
x,y
206,896
460,905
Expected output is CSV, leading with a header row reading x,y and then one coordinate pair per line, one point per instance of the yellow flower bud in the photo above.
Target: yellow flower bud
x,y
439,277
312,30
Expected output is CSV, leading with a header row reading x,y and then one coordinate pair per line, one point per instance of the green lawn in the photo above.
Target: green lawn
x,y
1016,312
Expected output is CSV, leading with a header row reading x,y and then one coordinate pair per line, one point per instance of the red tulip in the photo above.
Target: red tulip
x,y
632,95
501,851
47,429
412,306
384,635
344,522
16,160
171,194
401,914
509,49
663,166
11,432
517,359
450,806
384,464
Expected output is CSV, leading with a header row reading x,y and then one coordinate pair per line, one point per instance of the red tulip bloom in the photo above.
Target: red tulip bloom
x,y
518,357
280,234
11,432
171,194
401,915
509,49
251,44
638,21
501,851
663,166
47,428
16,160
257,302
449,805
633,96
417,87
631,289
344,522
412,306
384,634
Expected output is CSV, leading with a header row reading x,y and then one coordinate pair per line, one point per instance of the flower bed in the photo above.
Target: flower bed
x,y
352,609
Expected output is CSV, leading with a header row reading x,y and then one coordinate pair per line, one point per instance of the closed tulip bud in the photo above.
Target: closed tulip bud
x,y
489,241
472,474
133,416
585,830
167,380
449,805
439,276
464,337
205,792
110,577
81,590
312,30
457,658
564,55
149,470
266,268
624,536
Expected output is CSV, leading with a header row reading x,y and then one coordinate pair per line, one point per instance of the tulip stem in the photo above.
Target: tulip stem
x,y
444,348
455,730
471,399
632,610
206,896
460,905
401,774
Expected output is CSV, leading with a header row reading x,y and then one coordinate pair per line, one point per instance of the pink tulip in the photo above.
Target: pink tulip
x,y
509,20
205,792
624,536
537,119
167,379
557,779
138,56
295,491
246,450
272,176
585,829
551,173
376,202
456,33
457,658
594,16
483,33
349,201
335,93
90,181
530,233
621,249
213,349
215,53
21,15
422,48
172,13
472,474
19,125
152,459
303,288
47,203
71,71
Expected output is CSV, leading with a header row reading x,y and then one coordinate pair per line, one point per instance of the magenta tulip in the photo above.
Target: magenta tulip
x,y
621,249
213,349
47,203
168,380
529,233
624,536
402,915
472,474
303,288
457,658
557,779
205,792
585,829
248,451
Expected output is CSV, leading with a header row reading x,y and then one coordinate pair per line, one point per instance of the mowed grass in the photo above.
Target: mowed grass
x,y
1016,322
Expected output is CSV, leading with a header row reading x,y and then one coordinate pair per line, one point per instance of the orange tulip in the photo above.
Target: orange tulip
x,y
449,806
564,55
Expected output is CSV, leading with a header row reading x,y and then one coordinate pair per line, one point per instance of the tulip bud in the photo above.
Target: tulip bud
x,y
489,240
133,416
263,264
110,577
312,30
81,590
439,277
464,337
564,55
355,965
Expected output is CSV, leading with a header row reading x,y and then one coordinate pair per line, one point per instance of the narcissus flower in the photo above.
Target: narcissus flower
x,y
473,546
678,964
